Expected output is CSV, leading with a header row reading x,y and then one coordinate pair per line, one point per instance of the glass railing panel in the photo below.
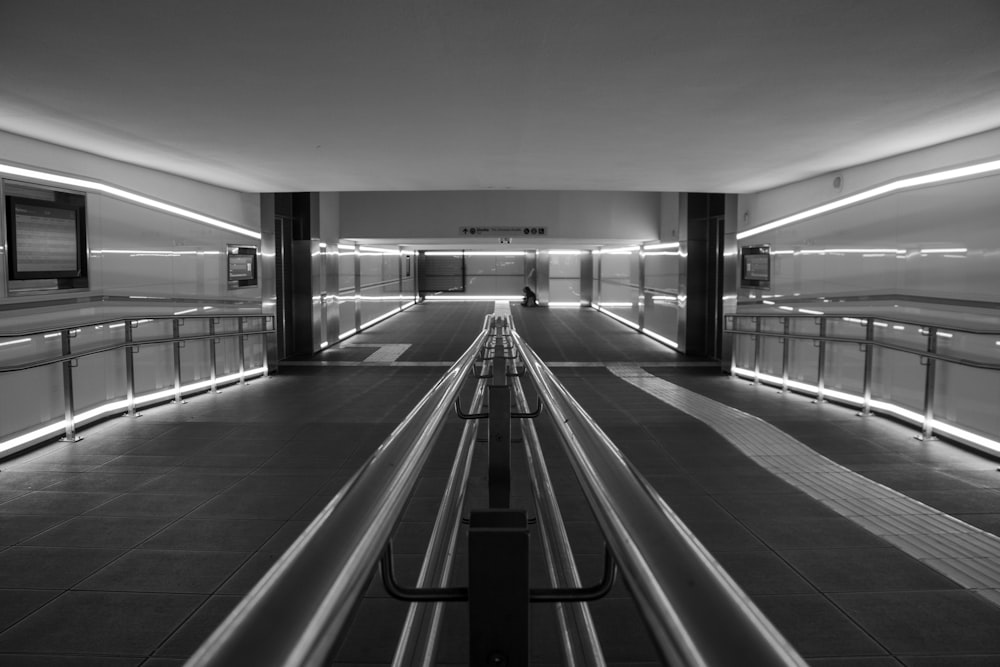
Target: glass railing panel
x,y
99,379
967,397
847,327
154,368
845,368
898,378
31,399
149,329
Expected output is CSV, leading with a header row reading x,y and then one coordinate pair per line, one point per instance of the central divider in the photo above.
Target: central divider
x,y
299,611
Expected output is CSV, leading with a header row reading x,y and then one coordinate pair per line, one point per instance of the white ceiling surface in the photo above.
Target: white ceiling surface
x,y
706,95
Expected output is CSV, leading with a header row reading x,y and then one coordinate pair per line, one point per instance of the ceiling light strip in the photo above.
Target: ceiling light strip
x,y
84,184
894,186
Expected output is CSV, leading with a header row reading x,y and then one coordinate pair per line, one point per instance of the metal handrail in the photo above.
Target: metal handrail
x,y
48,361
865,318
695,612
418,641
577,633
134,318
295,613
961,361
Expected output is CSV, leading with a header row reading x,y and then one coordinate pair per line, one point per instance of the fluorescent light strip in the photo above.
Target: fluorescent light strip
x,y
982,442
116,406
662,246
894,186
15,342
445,297
379,318
124,194
933,251
658,337
621,319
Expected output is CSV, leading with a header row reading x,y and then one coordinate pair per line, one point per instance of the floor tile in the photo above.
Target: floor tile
x,y
762,572
15,528
885,569
816,627
11,479
56,502
186,640
150,571
146,504
243,506
926,623
100,532
50,567
247,576
784,532
84,622
214,535
16,604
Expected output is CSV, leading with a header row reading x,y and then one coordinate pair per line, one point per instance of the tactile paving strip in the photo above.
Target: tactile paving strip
x,y
963,553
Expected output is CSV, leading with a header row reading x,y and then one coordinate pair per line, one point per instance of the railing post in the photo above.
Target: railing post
x,y
177,360
264,320
786,321
756,349
130,369
70,433
239,338
821,363
869,353
927,433
212,342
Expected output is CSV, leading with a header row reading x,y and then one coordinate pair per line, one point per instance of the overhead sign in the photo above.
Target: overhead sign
x,y
525,231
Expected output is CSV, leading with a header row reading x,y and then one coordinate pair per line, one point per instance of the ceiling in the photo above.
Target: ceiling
x,y
660,95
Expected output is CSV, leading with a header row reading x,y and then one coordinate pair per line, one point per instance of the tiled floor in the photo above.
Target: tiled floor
x,y
129,547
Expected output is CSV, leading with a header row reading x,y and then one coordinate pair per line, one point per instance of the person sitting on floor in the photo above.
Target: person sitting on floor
x,y
530,299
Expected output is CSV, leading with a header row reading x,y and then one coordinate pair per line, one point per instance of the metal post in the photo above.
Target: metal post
x,y
869,350
70,433
130,369
784,354
177,361
239,340
756,350
821,370
212,342
927,432
499,432
264,322
499,626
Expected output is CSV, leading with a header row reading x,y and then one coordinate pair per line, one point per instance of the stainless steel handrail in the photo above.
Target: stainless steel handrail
x,y
418,641
136,318
695,612
854,316
578,635
294,615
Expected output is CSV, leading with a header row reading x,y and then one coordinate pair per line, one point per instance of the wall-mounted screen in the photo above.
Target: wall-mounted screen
x,y
46,239
755,262
241,265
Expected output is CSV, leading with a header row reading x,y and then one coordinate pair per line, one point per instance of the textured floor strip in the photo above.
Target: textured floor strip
x,y
963,553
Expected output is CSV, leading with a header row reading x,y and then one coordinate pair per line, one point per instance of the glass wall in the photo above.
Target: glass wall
x,y
564,277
